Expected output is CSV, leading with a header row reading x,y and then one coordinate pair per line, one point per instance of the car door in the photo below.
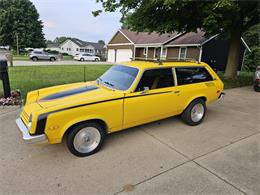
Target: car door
x,y
154,98
46,56
88,57
39,55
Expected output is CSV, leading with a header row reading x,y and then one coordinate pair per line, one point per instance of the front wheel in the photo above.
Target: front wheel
x,y
81,59
96,60
85,139
194,113
52,59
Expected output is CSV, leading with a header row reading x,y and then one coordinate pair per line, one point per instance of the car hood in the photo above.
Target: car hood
x,y
75,94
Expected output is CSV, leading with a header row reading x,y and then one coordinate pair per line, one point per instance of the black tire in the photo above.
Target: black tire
x,y
73,132
81,59
96,59
34,59
187,113
52,59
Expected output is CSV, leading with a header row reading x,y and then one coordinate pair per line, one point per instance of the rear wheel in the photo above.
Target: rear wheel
x,y
52,59
85,139
195,112
96,59
81,59
34,59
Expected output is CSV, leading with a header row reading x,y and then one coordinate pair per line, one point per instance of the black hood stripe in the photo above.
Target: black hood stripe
x,y
70,92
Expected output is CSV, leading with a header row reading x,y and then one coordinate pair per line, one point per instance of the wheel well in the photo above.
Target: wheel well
x,y
99,121
202,97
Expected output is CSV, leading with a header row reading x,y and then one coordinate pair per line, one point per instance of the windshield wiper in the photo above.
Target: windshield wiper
x,y
108,83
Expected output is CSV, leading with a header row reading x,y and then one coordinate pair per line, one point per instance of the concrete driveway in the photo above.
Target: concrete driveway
x,y
220,156
58,62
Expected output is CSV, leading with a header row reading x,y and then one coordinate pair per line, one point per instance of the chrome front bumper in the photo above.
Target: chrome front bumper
x,y
221,96
26,135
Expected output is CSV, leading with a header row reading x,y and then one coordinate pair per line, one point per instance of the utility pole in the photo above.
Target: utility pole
x,y
17,45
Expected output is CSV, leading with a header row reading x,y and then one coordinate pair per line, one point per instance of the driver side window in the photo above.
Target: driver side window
x,y
156,79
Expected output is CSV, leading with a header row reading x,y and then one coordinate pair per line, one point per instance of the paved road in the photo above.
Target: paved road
x,y
220,156
65,62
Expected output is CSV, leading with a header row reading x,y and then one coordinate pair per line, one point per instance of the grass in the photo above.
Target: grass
x,y
67,57
20,57
28,78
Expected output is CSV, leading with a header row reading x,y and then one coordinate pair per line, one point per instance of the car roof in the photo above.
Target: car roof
x,y
153,64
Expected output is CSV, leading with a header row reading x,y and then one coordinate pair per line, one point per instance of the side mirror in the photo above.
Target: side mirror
x,y
145,90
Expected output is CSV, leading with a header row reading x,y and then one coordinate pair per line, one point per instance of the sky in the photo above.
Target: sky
x,y
73,18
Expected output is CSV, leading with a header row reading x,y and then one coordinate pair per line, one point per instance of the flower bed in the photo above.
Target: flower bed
x,y
15,99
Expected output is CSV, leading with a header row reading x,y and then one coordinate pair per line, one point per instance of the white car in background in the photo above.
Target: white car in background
x,y
86,57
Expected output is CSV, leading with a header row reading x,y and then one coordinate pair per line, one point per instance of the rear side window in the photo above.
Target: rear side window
x,y
156,78
192,75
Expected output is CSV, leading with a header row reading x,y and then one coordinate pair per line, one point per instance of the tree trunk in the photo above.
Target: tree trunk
x,y
233,55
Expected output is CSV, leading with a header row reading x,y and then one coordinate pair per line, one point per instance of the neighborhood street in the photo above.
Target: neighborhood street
x,y
219,156
58,62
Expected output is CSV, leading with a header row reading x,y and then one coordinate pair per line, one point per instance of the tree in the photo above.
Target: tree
x,y
101,42
61,39
19,19
216,16
252,59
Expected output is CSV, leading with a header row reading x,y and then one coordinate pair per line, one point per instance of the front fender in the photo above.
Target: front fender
x,y
56,135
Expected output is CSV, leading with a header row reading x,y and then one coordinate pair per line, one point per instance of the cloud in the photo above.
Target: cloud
x,y
49,24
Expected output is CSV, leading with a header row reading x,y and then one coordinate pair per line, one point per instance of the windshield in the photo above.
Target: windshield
x,y
119,77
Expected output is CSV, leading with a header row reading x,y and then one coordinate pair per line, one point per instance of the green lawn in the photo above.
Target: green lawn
x,y
20,57
28,78
67,57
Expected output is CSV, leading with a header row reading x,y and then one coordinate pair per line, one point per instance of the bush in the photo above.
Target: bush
x,y
244,79
252,59
65,54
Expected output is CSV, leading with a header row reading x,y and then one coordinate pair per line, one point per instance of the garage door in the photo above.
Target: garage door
x,y
119,55
123,55
111,55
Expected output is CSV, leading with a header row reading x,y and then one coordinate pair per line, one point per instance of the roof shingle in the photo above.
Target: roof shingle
x,y
148,38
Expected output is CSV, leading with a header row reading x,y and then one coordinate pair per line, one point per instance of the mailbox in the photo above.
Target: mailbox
x,y
5,78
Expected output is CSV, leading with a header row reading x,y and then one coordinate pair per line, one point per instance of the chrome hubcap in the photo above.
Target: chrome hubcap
x,y
197,112
87,139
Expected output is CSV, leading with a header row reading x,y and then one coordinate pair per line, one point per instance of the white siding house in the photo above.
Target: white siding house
x,y
69,47
74,46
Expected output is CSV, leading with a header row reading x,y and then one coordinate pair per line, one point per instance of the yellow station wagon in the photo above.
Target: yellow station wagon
x,y
126,95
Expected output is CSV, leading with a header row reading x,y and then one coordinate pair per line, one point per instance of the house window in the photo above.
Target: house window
x,y
182,53
89,50
81,50
77,49
145,51
62,48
